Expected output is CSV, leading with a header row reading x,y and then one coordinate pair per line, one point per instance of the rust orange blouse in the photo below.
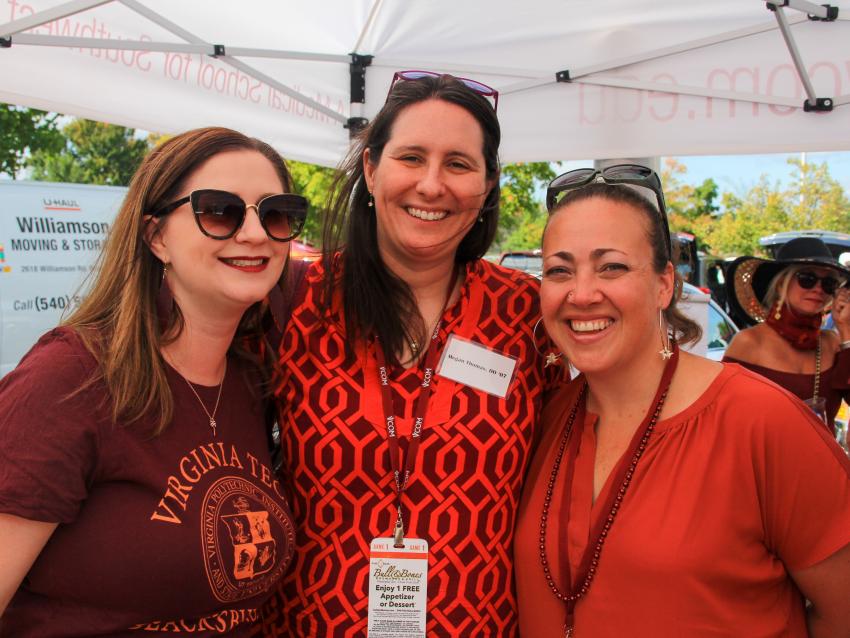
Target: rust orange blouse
x,y
731,494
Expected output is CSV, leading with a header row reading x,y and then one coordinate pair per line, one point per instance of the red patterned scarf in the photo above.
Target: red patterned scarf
x,y
801,331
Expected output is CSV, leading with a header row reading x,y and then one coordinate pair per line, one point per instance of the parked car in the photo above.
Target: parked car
x,y
838,243
530,261
717,327
687,251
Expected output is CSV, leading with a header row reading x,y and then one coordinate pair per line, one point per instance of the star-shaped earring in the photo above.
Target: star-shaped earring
x,y
665,353
551,359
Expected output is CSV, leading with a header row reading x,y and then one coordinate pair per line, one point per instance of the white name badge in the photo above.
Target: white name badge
x,y
477,366
398,588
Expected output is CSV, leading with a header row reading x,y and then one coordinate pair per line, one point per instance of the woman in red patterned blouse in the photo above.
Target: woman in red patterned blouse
x,y
407,326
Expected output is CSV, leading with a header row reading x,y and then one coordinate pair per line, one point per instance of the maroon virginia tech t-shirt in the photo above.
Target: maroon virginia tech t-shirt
x,y
180,534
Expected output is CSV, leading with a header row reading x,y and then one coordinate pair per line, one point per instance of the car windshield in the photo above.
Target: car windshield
x,y
528,263
720,330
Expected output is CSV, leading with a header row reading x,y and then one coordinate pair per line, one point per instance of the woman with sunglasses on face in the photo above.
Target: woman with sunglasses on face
x,y
670,495
789,297
136,489
411,385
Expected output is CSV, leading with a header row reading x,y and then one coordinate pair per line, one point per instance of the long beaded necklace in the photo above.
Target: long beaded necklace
x,y
817,369
623,473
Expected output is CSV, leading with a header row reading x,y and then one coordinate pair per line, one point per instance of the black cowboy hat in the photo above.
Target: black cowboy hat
x,y
748,278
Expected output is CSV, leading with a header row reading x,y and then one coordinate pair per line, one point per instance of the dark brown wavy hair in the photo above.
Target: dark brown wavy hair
x,y
375,301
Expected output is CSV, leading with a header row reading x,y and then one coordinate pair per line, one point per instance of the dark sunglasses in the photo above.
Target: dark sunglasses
x,y
632,174
220,214
807,281
475,86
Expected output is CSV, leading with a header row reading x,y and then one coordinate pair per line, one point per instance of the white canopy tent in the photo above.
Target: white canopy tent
x,y
579,79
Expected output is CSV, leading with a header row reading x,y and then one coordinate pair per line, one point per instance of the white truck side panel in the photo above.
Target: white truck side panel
x,y
50,237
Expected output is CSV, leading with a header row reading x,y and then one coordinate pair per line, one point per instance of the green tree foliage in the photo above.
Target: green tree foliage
x,y
812,200
314,183
689,208
817,200
23,132
93,153
522,211
759,212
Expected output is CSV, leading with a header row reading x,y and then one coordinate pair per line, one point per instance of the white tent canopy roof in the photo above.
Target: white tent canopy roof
x,y
645,77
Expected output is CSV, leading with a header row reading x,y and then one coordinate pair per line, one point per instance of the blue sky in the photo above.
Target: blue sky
x,y
739,173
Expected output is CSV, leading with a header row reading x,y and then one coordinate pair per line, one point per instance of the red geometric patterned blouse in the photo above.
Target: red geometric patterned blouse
x,y
467,480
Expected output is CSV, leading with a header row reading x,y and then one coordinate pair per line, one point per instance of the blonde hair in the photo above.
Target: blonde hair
x,y
117,321
777,290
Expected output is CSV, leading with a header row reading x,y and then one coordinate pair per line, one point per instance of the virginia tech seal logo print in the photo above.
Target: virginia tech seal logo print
x,y
246,539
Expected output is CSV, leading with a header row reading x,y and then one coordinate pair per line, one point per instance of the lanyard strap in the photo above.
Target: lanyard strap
x,y
419,411
402,471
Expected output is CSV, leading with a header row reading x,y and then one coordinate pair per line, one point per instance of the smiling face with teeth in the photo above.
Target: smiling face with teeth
x,y
211,277
601,295
429,183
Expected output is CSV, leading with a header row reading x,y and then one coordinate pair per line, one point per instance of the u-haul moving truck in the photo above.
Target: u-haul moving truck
x,y
50,236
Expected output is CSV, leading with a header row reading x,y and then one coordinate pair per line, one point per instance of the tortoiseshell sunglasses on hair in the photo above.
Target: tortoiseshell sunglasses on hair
x,y
473,85
220,214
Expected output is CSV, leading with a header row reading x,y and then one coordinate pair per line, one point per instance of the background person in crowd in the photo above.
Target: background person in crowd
x,y
670,495
789,297
417,210
715,279
136,493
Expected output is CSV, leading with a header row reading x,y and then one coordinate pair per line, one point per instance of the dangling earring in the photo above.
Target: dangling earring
x,y
371,203
780,301
778,314
164,301
551,357
665,351
480,217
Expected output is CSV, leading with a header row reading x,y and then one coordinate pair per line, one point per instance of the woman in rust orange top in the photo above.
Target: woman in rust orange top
x,y
670,495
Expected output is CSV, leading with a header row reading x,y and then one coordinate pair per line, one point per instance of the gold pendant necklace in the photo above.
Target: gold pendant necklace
x,y
429,333
210,416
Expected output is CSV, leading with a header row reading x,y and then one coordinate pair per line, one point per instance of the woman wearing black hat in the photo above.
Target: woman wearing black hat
x,y
788,297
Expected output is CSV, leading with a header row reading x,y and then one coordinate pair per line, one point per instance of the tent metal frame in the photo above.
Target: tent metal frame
x,y
13,32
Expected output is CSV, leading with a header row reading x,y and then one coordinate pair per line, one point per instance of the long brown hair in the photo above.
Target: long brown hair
x,y
374,300
117,321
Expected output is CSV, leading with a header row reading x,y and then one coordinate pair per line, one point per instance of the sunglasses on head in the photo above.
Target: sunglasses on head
x,y
807,281
473,85
630,174
220,214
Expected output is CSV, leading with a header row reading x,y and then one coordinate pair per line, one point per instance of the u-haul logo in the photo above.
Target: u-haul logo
x,y
60,204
